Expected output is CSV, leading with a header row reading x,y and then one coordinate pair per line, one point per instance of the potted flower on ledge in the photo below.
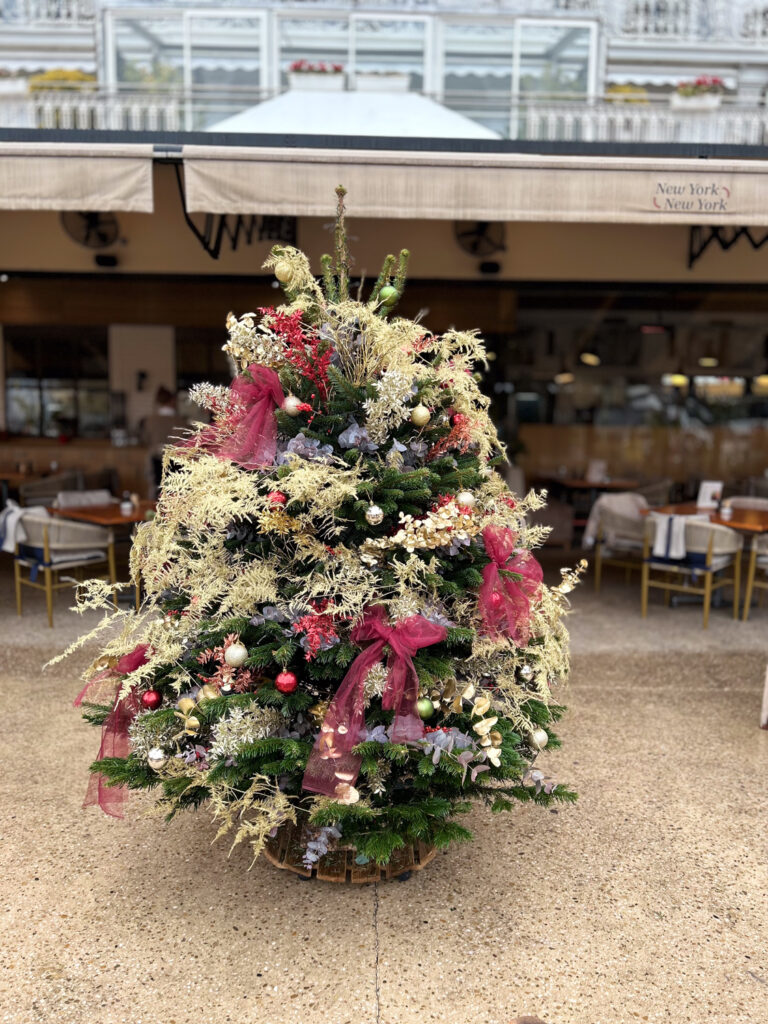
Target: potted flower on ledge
x,y
318,75
703,93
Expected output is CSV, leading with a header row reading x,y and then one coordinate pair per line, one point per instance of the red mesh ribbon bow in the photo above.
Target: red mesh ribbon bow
x,y
251,439
505,603
114,731
332,761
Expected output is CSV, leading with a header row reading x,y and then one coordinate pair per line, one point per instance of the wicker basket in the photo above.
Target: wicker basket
x,y
286,849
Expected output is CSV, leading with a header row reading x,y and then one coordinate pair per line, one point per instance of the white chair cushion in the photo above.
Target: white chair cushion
x,y
67,559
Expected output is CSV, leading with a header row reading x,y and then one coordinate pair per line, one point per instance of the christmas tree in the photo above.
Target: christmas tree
x,y
343,626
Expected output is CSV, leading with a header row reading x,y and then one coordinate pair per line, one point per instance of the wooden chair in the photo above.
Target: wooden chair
x,y
710,550
52,545
619,542
758,550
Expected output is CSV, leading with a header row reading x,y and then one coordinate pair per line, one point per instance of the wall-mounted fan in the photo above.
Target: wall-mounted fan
x,y
93,230
480,237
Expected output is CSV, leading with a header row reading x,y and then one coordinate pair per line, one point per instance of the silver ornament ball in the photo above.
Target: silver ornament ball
x,y
156,758
466,498
526,673
538,739
291,405
374,515
235,655
420,415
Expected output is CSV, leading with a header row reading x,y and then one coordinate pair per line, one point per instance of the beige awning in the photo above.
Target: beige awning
x,y
479,186
67,176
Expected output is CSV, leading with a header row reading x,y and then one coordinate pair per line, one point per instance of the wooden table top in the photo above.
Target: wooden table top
x,y
105,515
746,520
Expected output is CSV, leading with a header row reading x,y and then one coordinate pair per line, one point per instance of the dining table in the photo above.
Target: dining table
x,y
106,515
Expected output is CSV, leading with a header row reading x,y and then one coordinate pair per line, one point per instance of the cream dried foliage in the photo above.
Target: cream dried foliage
x,y
341,576
251,585
322,486
253,814
378,344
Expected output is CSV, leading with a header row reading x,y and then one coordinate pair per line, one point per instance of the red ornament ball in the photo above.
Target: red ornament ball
x,y
151,700
287,682
277,497
496,600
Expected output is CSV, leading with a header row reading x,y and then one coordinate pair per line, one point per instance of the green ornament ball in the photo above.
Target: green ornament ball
x,y
389,295
425,707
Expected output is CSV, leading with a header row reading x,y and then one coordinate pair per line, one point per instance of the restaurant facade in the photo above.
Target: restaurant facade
x,y
622,296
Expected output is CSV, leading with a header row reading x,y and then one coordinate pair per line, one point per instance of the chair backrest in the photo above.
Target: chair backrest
x,y
698,534
619,524
63,534
44,491
745,501
81,499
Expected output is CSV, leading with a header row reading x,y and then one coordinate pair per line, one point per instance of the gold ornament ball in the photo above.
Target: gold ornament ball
x,y
283,272
466,498
373,515
185,705
291,405
156,758
420,415
425,707
538,739
235,655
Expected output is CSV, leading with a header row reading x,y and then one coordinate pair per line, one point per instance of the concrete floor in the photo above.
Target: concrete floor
x,y
644,902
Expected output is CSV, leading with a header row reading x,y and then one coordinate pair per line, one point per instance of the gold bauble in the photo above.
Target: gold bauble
x,y
236,654
291,405
283,272
420,415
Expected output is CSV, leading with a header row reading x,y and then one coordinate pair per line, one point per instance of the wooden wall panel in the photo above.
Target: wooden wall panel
x,y
646,453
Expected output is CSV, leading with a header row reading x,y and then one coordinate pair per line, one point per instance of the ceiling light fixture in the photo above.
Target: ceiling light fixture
x,y
590,358
709,362
565,376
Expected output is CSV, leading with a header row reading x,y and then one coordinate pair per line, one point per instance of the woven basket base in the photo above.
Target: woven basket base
x,y
285,851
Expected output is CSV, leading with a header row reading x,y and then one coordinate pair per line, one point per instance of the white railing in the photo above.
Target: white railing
x,y
604,121
47,11
556,120
93,110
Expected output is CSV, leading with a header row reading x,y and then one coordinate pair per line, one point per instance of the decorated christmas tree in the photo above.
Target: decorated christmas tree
x,y
343,632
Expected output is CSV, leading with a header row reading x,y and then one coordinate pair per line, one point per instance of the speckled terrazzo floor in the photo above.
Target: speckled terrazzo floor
x,y
644,902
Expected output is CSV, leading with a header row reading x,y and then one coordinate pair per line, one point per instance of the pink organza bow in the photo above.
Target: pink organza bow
x,y
247,434
332,761
505,603
114,731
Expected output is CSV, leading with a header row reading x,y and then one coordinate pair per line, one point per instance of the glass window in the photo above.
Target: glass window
x,y
478,72
554,59
389,47
226,69
57,381
148,51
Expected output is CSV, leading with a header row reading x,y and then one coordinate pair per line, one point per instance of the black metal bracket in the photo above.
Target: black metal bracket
x,y
700,238
234,228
